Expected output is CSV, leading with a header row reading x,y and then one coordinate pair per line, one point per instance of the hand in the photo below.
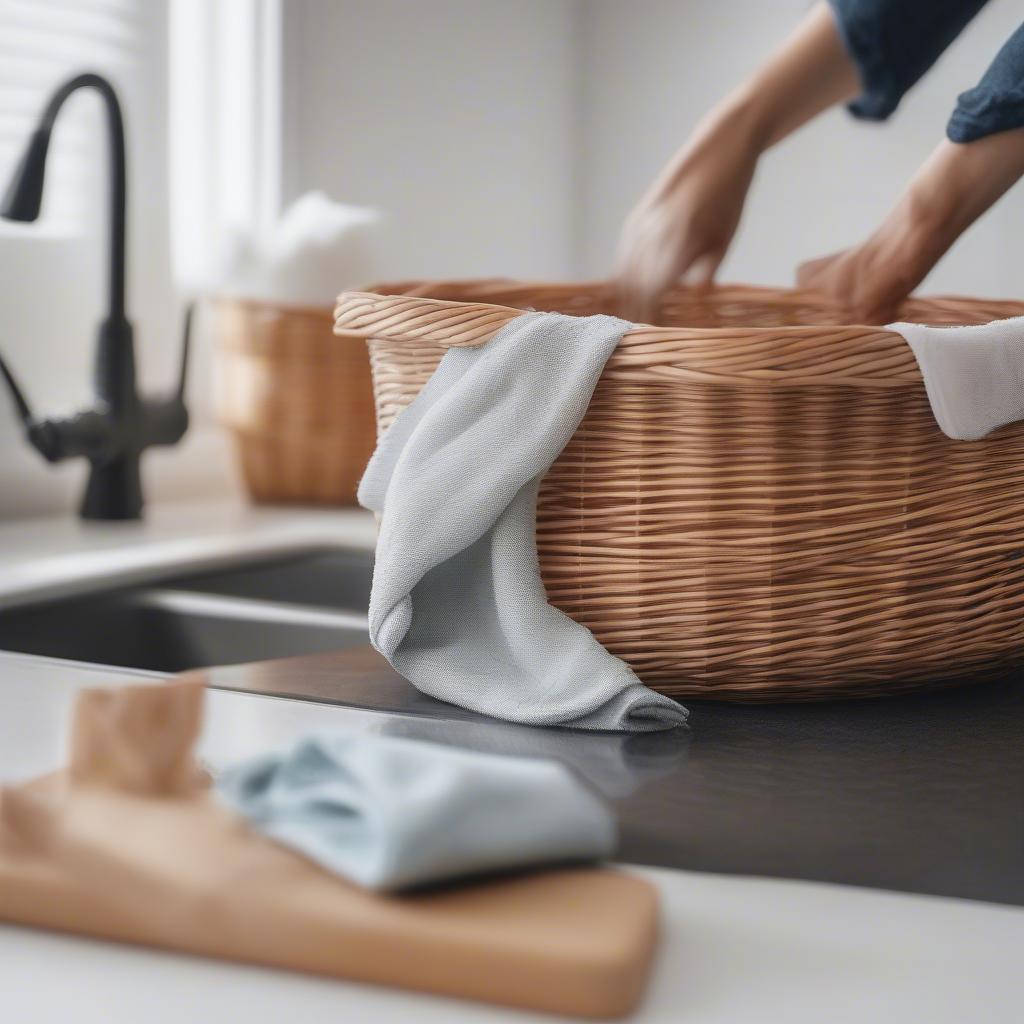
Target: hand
x,y
682,228
954,187
864,282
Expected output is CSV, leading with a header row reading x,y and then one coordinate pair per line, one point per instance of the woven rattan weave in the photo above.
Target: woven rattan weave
x,y
297,404
758,504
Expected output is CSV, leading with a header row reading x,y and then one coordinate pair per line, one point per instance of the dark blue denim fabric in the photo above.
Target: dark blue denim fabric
x,y
894,42
996,103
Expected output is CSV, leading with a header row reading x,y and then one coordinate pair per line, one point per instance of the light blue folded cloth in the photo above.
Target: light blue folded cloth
x,y
391,813
458,605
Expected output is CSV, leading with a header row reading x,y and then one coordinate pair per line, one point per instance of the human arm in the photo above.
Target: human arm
x,y
867,52
957,184
982,157
684,224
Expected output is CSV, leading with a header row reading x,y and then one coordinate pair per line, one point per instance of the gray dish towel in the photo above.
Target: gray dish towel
x,y
389,814
974,376
458,606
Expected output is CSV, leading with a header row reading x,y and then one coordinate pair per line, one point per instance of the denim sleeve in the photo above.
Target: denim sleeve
x,y
894,42
996,103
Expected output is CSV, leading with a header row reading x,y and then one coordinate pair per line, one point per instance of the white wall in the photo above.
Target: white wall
x,y
457,117
513,138
652,67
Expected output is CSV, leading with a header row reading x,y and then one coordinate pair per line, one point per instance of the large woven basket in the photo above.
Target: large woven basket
x,y
758,504
298,404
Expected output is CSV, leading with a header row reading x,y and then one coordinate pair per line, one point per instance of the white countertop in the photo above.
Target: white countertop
x,y
734,950
43,558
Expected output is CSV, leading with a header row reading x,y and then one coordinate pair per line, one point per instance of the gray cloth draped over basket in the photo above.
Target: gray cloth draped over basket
x,y
458,605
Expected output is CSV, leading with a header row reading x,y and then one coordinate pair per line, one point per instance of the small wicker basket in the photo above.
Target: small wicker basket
x,y
758,504
299,404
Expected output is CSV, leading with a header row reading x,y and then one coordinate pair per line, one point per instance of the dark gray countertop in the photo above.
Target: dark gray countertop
x,y
922,793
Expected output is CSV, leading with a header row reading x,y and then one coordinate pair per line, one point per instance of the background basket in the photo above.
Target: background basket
x,y
758,504
298,403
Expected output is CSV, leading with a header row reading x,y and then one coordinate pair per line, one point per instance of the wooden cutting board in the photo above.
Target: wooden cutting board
x,y
128,843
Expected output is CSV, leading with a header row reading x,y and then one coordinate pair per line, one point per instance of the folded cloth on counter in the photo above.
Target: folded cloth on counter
x,y
974,376
458,605
391,813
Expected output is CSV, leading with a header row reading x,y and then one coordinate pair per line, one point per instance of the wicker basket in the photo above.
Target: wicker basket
x,y
298,402
758,504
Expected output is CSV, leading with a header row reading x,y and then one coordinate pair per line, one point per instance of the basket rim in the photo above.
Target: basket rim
x,y
823,355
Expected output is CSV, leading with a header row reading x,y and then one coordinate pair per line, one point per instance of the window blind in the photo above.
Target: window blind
x,y
42,42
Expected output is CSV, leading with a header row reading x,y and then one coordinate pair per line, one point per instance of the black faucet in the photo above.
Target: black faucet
x,y
121,423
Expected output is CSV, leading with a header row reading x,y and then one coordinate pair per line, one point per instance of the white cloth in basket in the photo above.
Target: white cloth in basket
x,y
974,376
458,606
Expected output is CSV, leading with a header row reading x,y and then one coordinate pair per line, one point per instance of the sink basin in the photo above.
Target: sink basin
x,y
332,578
309,602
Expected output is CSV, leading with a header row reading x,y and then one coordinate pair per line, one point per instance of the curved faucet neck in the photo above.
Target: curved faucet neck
x,y
118,178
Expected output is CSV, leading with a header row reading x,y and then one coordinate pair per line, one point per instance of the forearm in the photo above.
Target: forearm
x,y
809,74
957,184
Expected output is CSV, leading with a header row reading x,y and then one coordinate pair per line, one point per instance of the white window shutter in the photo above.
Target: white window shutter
x,y
42,42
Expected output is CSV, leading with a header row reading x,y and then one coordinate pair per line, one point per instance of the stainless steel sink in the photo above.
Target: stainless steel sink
x,y
332,578
305,603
